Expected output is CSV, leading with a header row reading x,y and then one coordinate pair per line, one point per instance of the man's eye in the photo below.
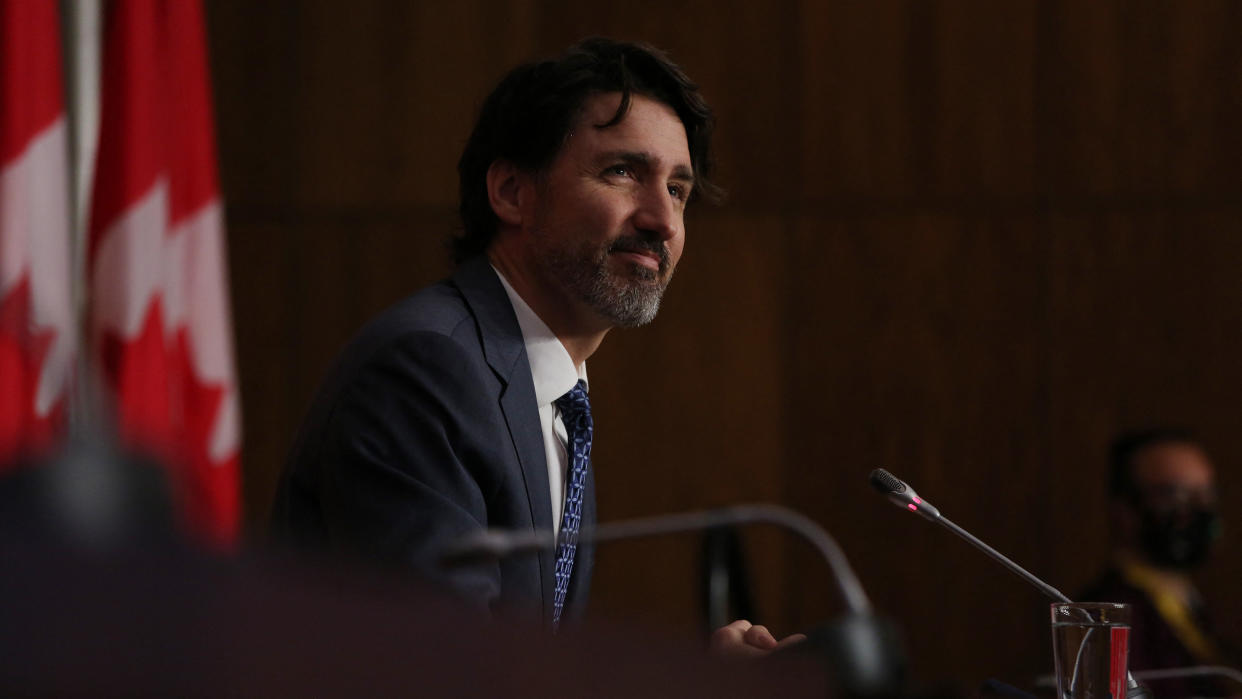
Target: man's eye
x,y
618,170
677,191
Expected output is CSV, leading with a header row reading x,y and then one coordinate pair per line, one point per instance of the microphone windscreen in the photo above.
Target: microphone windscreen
x,y
886,482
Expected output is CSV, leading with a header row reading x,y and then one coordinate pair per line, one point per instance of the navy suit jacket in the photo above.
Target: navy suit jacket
x,y
426,430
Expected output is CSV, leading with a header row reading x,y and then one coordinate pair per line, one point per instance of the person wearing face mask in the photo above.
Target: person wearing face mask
x,y
1164,522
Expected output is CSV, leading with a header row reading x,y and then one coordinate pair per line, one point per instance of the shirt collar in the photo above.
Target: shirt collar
x,y
551,367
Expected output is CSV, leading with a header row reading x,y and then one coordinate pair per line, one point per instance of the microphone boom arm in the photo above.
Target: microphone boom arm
x,y
1004,560
493,543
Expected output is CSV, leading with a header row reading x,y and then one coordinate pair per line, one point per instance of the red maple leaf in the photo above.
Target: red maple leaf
x,y
165,409
210,486
137,371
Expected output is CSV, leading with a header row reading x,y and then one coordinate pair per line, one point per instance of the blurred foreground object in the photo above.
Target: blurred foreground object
x,y
100,599
89,498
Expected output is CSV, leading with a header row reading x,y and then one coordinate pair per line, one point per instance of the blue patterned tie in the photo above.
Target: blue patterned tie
x,y
576,414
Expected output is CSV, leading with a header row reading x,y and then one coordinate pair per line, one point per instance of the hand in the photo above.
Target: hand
x,y
741,639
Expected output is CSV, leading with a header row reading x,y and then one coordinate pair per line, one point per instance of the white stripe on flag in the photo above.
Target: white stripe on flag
x,y
34,235
187,271
202,308
130,265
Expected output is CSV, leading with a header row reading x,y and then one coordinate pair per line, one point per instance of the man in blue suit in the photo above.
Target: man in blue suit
x,y
463,406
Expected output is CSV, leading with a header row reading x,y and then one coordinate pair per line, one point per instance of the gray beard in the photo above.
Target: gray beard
x,y
624,303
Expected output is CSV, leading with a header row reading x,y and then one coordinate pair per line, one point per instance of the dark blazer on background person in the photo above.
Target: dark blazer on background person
x,y
427,429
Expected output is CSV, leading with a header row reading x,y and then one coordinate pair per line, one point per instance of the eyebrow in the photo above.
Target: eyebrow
x,y
681,173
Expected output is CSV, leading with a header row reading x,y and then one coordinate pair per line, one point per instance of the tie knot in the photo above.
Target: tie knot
x,y
575,403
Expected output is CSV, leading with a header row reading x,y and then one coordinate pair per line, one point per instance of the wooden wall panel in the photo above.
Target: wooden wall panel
x,y
375,100
262,289
979,116
856,136
1203,115
966,240
961,422
1079,97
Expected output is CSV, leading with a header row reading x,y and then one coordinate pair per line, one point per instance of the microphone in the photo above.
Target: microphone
x,y
902,495
862,652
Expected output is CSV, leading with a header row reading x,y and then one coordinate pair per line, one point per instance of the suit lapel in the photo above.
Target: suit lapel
x,y
518,404
505,351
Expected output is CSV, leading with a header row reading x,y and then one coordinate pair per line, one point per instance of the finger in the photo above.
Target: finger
x,y
791,639
729,635
758,636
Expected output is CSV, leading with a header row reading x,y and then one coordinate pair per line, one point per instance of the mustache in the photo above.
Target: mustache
x,y
639,243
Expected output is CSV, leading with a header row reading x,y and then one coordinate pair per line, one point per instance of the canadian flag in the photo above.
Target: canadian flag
x,y
159,317
38,336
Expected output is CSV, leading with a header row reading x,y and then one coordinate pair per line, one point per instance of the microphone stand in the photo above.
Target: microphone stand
x,y
496,543
862,652
1004,560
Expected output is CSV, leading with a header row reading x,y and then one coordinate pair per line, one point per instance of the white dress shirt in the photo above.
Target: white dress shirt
x,y
555,375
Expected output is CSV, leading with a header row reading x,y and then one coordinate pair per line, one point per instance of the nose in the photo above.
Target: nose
x,y
658,213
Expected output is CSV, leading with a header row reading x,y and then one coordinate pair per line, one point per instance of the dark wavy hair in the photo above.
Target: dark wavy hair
x,y
529,115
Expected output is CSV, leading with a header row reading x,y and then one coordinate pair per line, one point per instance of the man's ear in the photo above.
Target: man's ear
x,y
505,185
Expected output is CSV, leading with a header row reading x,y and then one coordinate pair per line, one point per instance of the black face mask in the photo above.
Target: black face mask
x,y
1170,544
